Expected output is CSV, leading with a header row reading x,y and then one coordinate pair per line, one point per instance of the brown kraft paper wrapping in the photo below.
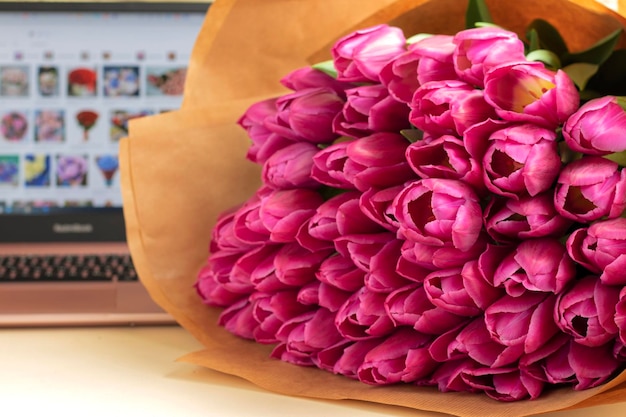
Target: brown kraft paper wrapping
x,y
180,169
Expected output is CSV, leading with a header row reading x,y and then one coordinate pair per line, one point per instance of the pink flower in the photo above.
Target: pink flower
x,y
340,272
521,159
532,313
528,92
247,224
430,59
360,55
360,248
480,49
439,212
445,157
296,266
317,293
597,128
213,289
402,357
238,319
601,248
370,109
462,291
223,234
348,356
306,115
508,219
307,77
290,167
433,257
363,316
283,212
376,204
410,306
377,161
620,316
504,384
271,310
475,341
329,166
383,273
535,265
590,188
448,107
586,311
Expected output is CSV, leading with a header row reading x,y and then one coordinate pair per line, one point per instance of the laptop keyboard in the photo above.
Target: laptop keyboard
x,y
51,268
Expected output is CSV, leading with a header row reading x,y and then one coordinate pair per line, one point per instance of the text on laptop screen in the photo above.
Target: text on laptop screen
x,y
69,84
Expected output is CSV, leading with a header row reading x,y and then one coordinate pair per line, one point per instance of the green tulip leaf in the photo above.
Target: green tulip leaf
x,y
533,40
581,73
548,37
622,102
326,67
417,38
596,54
549,58
412,135
618,157
477,11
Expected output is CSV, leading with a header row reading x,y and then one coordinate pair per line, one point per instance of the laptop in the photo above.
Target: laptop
x,y
71,77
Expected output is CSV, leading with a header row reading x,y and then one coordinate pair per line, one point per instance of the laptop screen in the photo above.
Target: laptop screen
x,y
71,77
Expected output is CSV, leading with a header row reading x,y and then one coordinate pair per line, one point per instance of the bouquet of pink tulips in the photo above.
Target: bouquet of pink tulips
x,y
438,210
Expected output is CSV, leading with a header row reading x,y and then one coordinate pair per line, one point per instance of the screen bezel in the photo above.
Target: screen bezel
x,y
105,224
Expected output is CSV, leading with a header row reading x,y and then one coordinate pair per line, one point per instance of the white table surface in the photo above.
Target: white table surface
x,y
124,371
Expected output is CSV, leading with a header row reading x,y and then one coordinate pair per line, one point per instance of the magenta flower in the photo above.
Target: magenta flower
x,y
401,357
376,204
296,266
264,142
521,159
377,161
317,293
601,248
360,55
329,166
223,235
590,188
370,109
620,316
480,49
535,265
247,224
307,77
340,272
504,384
257,267
360,248
597,128
347,356
433,257
508,219
475,341
448,107
445,157
363,316
439,212
532,313
448,377
212,283
528,92
430,59
304,336
238,319
272,310
306,115
283,212
383,275
290,167
586,311
410,306
462,291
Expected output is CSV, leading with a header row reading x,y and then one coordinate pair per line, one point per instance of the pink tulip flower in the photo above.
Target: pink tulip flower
x,y
376,204
308,77
329,166
586,311
283,212
257,267
377,161
213,289
223,235
448,377
508,219
536,265
360,248
317,293
429,59
360,55
402,357
247,224
296,266
363,316
521,159
272,310
532,313
504,384
448,107
528,92
341,272
480,49
429,257
476,342
306,115
369,109
597,128
290,167
346,357
238,319
620,316
601,248
439,212
383,273
445,157
589,189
